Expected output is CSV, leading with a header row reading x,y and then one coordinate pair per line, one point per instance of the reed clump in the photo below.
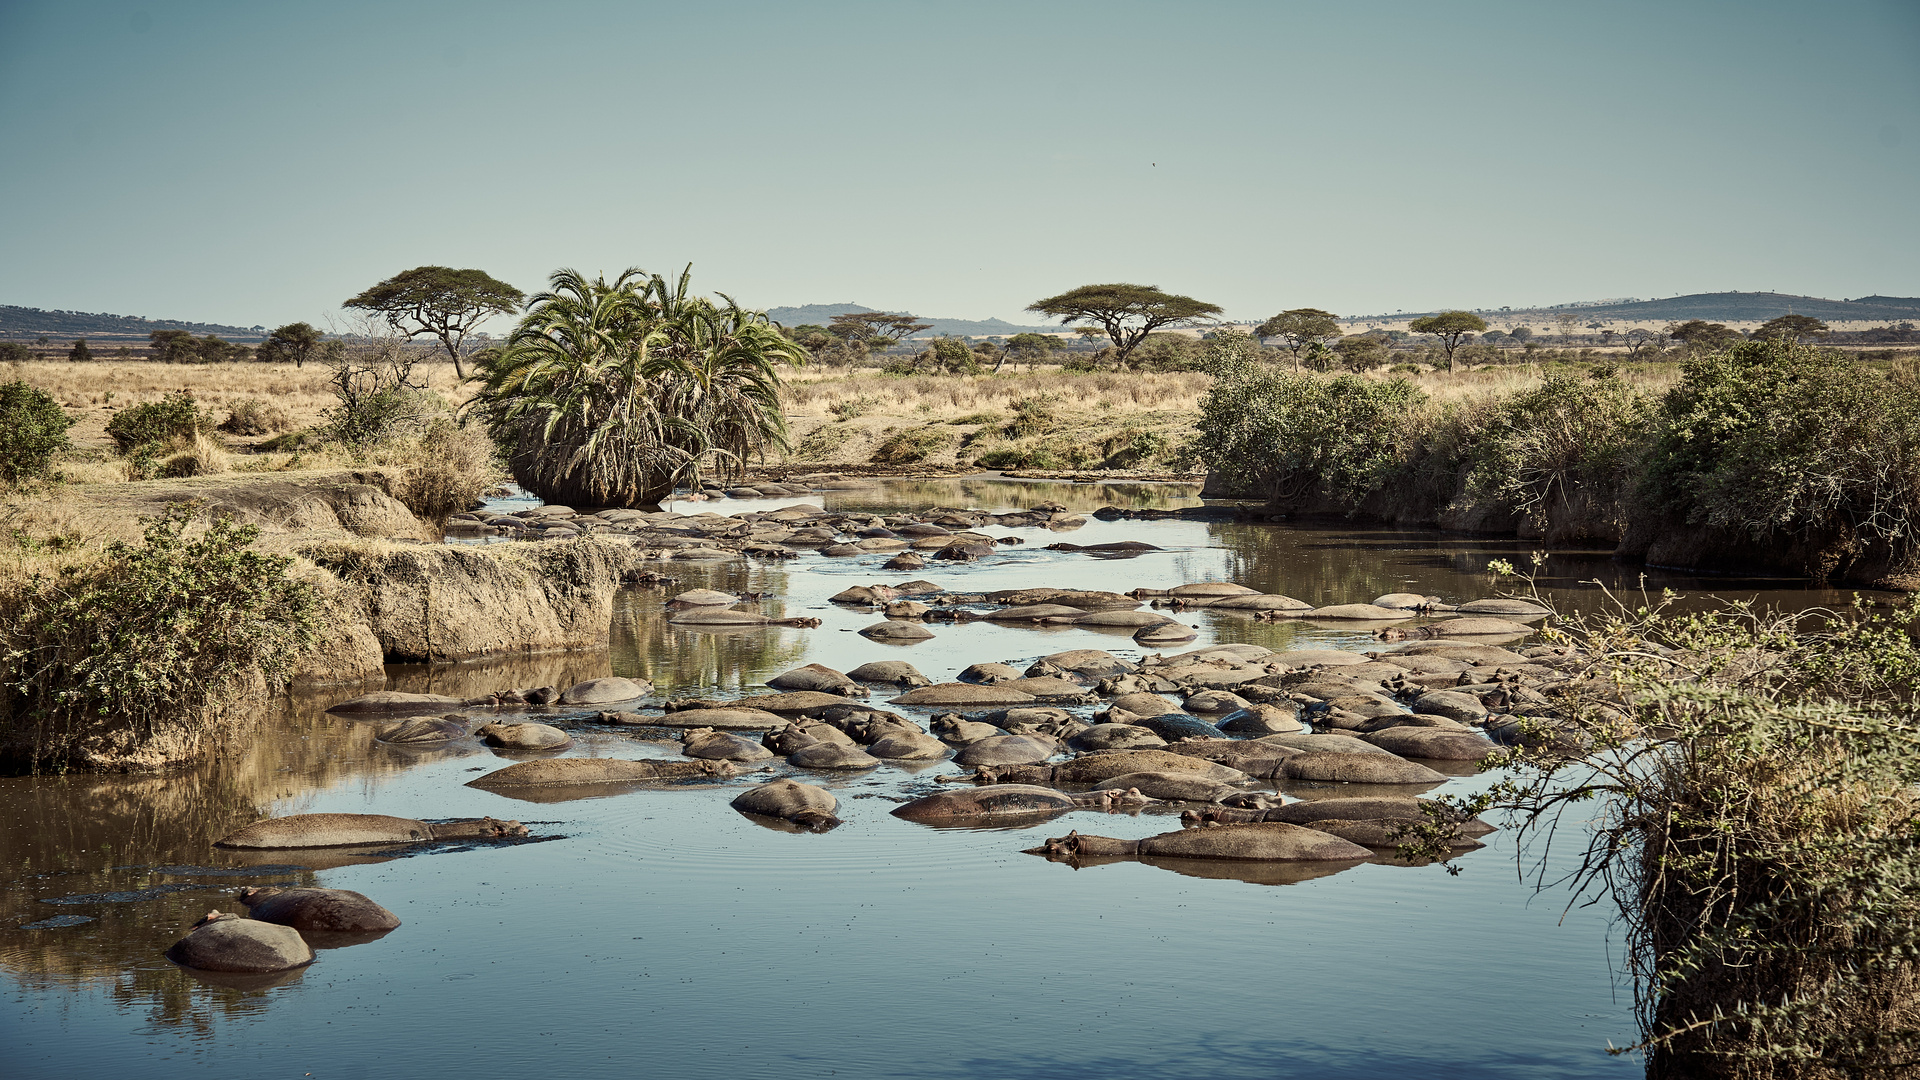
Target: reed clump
x,y
1747,780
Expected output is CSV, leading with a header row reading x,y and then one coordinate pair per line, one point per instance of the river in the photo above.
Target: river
x,y
664,934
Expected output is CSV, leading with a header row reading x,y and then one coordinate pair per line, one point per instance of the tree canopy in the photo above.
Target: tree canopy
x,y
1299,327
1451,327
441,302
293,342
872,325
1128,313
1791,327
1702,334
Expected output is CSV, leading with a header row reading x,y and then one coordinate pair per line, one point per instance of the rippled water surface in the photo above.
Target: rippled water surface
x,y
666,935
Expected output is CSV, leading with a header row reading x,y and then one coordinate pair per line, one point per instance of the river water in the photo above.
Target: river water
x,y
664,934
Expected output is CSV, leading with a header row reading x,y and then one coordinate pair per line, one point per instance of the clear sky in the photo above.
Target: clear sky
x,y
258,162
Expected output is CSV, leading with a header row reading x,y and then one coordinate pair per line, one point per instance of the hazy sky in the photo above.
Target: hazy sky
x,y
255,162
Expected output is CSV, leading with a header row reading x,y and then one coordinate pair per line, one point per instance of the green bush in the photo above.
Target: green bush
x,y
1031,416
153,651
33,428
852,407
1569,442
1779,440
176,416
254,416
914,444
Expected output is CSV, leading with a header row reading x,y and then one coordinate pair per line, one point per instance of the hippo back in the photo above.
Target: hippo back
x,y
327,830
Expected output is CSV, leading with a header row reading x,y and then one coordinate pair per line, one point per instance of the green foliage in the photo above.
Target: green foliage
x,y
1451,328
1133,448
913,444
1566,448
1792,328
181,347
1300,327
1127,313
951,355
848,408
294,343
33,428
1700,334
1288,434
456,463
1030,347
1032,416
79,354
1361,352
1165,352
1778,440
377,396
976,418
175,416
610,394
165,640
12,352
1752,813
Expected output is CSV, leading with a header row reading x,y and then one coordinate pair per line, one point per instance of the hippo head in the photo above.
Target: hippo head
x,y
1113,799
213,917
720,768
253,894
1249,800
693,733
1390,634
497,828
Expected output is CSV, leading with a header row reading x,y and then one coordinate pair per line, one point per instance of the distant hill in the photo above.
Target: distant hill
x,y
25,324
1716,307
820,314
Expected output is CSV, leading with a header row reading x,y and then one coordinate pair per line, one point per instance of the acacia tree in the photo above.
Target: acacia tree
x,y
876,326
1792,328
1298,328
438,301
294,341
1451,327
1701,334
1127,313
1029,347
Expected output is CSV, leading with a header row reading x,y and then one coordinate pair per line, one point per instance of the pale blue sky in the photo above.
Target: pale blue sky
x,y
253,162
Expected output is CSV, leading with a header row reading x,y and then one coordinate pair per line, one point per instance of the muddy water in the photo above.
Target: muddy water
x,y
665,934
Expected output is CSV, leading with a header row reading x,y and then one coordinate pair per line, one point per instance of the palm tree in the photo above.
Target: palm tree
x,y
611,394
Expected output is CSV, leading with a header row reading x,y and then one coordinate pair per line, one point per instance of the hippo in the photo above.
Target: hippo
x,y
1358,769
1178,725
426,730
1007,750
1470,626
889,672
1115,737
1103,765
395,703
959,732
908,746
818,678
557,772
704,598
790,800
1167,633
1522,608
1011,801
525,737
337,910
891,630
707,743
1437,743
831,755
1261,841
906,560
344,830
959,693
1263,719
1184,787
230,943
732,719
990,673
1255,758
604,691
1093,663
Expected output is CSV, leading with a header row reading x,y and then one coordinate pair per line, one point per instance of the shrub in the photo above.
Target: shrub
x,y
33,428
456,465
199,455
914,444
175,416
252,416
1133,447
1290,435
1031,416
1569,442
154,651
975,418
1787,442
849,408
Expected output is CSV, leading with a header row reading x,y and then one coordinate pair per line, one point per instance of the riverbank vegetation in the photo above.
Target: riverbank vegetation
x,y
1765,455
1745,782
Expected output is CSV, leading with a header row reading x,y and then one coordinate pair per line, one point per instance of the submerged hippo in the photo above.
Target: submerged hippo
x,y
227,942
317,909
1270,841
558,772
708,743
1012,800
1184,787
802,804
342,830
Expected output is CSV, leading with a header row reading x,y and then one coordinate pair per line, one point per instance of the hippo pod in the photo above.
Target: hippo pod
x,y
1270,841
1012,800
560,772
343,830
803,804
341,910
228,943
